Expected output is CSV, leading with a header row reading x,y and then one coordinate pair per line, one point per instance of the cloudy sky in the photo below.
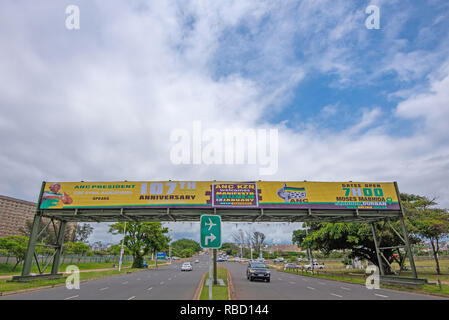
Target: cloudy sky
x,y
349,103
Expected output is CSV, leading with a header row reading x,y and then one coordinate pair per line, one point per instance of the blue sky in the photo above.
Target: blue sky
x,y
99,103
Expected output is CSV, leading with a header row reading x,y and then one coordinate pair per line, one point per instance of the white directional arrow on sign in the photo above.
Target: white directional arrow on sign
x,y
211,238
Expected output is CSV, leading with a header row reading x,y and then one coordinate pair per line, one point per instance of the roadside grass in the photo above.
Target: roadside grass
x,y
218,292
6,268
359,279
425,269
6,286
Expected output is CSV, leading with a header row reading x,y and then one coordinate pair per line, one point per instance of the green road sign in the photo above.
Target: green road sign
x,y
210,231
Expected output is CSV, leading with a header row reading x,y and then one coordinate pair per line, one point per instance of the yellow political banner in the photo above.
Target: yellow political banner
x,y
221,194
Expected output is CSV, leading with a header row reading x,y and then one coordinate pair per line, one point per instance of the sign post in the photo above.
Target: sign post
x,y
210,231
210,237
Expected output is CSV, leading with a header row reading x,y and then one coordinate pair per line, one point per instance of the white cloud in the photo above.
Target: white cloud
x,y
100,103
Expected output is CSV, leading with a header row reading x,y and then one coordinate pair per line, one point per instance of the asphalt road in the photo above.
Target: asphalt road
x,y
286,286
170,283
165,283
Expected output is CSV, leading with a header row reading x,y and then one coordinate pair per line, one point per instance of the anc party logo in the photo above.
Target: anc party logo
x,y
292,194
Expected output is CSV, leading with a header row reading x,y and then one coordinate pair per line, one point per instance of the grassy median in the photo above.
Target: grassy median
x,y
218,292
7,286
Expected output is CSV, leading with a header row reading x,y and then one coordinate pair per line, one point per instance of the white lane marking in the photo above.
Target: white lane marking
x,y
72,297
125,282
344,288
138,279
150,288
104,288
162,282
380,295
133,297
310,288
337,295
321,282
169,279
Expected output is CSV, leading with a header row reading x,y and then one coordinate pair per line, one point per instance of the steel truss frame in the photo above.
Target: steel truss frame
x,y
173,215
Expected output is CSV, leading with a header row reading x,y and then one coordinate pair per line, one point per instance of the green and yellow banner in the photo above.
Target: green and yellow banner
x,y
221,194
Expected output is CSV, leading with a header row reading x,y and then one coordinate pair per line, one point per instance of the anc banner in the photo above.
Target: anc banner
x,y
216,194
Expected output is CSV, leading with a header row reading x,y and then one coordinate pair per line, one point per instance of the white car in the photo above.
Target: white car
x,y
186,266
316,265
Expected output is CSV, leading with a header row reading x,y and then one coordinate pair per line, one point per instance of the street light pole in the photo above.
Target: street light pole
x,y
121,250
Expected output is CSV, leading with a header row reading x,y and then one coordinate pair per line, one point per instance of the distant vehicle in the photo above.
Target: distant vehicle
x,y
186,266
290,266
145,264
221,259
257,270
260,260
175,258
237,259
279,260
197,261
243,260
316,265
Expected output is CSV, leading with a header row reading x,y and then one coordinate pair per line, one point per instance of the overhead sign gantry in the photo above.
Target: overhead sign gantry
x,y
262,201
236,201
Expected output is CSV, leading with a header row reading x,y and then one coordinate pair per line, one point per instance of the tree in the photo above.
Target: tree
x,y
239,237
428,222
357,237
15,246
142,238
76,248
257,241
181,244
82,232
115,250
230,248
187,253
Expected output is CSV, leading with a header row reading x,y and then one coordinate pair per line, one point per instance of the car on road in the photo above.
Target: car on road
x,y
257,270
186,266
290,266
279,260
175,258
316,265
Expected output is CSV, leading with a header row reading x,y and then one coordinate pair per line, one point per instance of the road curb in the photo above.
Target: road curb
x,y
231,291
199,288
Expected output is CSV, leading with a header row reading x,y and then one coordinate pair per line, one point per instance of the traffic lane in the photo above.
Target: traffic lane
x,y
166,282
342,290
259,290
287,286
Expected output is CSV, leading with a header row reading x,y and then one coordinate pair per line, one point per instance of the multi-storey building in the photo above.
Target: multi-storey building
x,y
15,212
13,215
